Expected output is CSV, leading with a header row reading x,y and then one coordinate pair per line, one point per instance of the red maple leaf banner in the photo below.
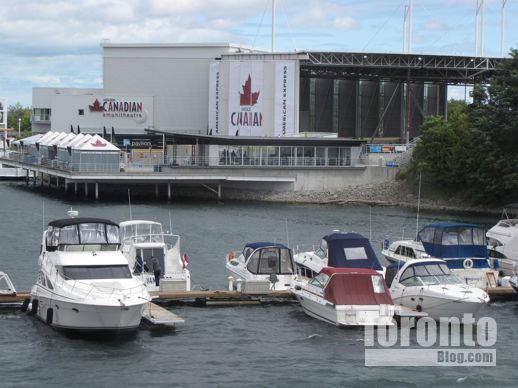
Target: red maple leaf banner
x,y
96,107
247,98
98,143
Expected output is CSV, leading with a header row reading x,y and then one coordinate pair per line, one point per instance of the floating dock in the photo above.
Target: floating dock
x,y
156,316
222,298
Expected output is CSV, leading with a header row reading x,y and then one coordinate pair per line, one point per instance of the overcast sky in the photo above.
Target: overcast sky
x,y
56,43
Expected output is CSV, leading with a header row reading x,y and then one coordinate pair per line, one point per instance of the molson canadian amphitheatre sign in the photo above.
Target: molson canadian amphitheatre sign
x,y
261,98
245,100
122,108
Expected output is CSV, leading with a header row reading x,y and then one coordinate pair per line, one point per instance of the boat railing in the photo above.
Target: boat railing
x,y
170,240
87,289
304,248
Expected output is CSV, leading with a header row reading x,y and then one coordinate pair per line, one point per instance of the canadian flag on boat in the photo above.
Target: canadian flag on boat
x,y
185,260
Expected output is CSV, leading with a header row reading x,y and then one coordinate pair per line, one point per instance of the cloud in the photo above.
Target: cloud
x,y
344,23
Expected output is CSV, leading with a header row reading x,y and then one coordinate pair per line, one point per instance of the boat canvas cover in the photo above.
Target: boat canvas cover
x,y
264,244
347,286
449,240
350,250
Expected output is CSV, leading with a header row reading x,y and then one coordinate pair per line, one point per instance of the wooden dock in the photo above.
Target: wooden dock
x,y
222,297
501,293
11,300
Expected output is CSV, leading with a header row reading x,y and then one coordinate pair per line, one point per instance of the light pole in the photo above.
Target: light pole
x,y
19,125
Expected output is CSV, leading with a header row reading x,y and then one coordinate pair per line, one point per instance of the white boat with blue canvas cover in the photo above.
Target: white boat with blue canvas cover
x,y
339,250
462,246
84,282
428,285
263,262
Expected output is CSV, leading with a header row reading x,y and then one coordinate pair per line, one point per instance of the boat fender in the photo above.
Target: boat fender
x,y
50,315
34,307
230,256
25,305
468,264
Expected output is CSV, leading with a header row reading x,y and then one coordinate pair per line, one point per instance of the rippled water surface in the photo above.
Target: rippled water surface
x,y
219,346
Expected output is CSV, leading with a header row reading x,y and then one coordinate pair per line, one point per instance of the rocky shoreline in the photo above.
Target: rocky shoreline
x,y
392,193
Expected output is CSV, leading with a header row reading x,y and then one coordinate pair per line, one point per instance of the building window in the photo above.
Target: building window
x,y
81,112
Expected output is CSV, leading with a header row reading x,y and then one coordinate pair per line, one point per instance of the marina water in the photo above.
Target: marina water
x,y
276,345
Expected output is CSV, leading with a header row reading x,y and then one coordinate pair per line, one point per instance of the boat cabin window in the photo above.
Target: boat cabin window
x,y
428,274
319,281
247,252
321,251
356,253
86,233
405,251
265,261
83,272
378,284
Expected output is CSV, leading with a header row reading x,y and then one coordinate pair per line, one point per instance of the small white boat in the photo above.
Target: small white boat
x,y
502,240
84,282
339,250
265,263
462,246
346,297
6,285
428,285
146,239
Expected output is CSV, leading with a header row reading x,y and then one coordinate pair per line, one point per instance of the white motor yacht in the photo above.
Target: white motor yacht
x,y
502,240
428,285
462,246
84,282
346,297
339,250
146,239
263,264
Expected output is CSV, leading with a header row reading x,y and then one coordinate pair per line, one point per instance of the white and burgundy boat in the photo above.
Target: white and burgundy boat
x,y
346,297
84,282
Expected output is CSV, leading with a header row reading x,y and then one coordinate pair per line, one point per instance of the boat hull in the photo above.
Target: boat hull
x,y
346,315
76,315
441,307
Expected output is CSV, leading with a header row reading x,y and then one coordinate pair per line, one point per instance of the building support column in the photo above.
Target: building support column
x,y
86,189
75,188
96,191
219,191
27,177
66,186
358,113
34,178
156,190
169,191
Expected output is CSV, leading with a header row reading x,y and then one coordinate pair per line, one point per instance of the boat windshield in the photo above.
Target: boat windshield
x,y
144,232
83,272
428,275
320,280
83,233
265,261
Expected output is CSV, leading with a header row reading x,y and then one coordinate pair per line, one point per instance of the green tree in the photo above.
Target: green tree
x,y
15,112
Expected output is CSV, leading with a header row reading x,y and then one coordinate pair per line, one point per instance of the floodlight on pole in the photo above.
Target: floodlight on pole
x,y
19,126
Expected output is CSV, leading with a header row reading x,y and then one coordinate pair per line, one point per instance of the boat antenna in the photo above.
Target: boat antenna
x,y
370,223
418,202
287,234
129,202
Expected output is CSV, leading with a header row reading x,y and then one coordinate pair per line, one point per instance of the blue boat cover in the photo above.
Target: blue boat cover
x,y
340,243
263,244
449,240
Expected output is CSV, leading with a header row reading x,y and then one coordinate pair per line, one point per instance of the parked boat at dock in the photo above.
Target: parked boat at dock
x,y
84,282
346,297
462,246
339,250
263,266
146,239
502,240
428,285
6,285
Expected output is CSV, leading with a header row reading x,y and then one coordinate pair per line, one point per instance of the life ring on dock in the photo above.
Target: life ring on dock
x,y
468,264
230,256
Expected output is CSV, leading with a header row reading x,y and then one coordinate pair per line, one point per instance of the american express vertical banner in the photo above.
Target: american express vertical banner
x,y
284,98
214,97
245,99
